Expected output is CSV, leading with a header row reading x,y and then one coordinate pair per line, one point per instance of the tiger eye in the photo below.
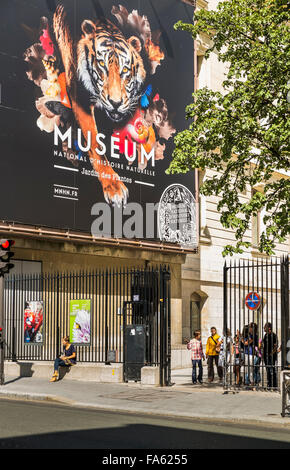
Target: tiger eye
x,y
102,63
125,70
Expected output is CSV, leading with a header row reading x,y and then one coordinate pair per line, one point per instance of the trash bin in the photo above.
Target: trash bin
x,y
134,351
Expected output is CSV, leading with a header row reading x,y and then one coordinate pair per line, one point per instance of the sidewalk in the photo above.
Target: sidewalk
x,y
182,400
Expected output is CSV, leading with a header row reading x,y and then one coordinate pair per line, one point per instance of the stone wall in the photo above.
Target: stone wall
x,y
69,256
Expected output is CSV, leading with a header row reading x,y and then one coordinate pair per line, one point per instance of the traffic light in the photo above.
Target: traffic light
x,y
1,335
5,256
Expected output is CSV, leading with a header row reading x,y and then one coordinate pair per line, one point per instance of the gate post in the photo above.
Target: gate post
x,y
168,381
225,322
3,332
161,307
165,327
285,319
58,347
225,285
106,316
13,322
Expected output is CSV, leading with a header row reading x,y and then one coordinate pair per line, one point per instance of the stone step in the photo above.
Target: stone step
x,y
87,372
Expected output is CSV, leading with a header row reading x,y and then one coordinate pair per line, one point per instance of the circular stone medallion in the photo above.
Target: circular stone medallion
x,y
177,217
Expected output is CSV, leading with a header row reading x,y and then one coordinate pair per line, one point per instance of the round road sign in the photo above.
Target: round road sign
x,y
253,301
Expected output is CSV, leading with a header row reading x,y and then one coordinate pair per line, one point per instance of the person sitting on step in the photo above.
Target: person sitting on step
x,y
68,359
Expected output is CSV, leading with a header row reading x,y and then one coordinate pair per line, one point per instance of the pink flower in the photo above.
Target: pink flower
x,y
82,327
46,42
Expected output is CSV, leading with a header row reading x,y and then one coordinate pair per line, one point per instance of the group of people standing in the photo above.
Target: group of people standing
x,y
213,354
246,350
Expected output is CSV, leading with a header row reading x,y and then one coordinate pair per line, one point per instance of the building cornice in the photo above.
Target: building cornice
x,y
201,4
203,43
197,3
44,233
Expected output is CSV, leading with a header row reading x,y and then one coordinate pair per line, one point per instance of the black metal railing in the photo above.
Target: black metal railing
x,y
256,323
108,291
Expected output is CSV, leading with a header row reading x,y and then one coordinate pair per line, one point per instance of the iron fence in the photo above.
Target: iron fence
x,y
147,291
256,323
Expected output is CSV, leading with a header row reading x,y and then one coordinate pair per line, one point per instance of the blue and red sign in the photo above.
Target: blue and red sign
x,y
253,301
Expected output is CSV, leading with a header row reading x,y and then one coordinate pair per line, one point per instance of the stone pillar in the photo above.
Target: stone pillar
x,y
176,321
176,305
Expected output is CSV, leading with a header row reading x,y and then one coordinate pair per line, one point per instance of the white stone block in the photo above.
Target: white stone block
x,y
150,375
111,373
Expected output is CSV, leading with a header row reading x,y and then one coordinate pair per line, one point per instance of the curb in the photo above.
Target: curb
x,y
34,397
40,397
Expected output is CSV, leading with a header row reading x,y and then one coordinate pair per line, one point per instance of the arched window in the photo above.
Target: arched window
x,y
197,301
195,313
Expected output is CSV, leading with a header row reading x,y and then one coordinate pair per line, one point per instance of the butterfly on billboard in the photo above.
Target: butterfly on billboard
x,y
145,97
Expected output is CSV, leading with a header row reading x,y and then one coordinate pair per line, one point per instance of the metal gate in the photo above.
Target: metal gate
x,y
148,314
256,323
116,298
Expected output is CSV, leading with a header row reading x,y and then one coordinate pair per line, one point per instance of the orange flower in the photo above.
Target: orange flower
x,y
150,140
154,52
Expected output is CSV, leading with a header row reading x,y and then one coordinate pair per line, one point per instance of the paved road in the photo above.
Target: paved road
x,y
196,402
49,426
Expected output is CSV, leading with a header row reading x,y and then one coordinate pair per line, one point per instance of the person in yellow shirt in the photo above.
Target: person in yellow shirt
x,y
212,353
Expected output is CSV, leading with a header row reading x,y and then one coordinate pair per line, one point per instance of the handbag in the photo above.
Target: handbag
x,y
218,346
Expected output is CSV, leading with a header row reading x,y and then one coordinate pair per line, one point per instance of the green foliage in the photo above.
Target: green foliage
x,y
243,133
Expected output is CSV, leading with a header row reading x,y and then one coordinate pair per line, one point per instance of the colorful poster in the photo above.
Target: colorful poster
x,y
80,322
93,93
33,322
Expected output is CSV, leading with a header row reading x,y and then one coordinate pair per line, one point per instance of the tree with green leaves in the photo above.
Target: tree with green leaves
x,y
243,133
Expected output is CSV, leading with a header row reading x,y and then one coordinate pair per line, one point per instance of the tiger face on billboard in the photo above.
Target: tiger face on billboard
x,y
105,67
111,69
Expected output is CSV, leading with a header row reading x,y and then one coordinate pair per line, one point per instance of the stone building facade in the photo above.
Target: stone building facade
x,y
202,273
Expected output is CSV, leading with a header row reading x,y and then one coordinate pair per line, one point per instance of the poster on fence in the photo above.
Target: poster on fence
x,y
33,322
80,322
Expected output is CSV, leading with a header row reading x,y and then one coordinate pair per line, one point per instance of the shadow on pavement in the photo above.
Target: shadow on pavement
x,y
139,436
25,371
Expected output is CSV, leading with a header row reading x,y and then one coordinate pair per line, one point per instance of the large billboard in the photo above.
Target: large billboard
x,y
92,95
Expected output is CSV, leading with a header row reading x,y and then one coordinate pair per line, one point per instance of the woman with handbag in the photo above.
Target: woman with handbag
x,y
213,346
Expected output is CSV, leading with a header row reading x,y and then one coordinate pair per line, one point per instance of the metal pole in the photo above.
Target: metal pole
x,y
225,308
169,328
2,378
285,325
106,320
161,308
58,347
287,319
124,341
